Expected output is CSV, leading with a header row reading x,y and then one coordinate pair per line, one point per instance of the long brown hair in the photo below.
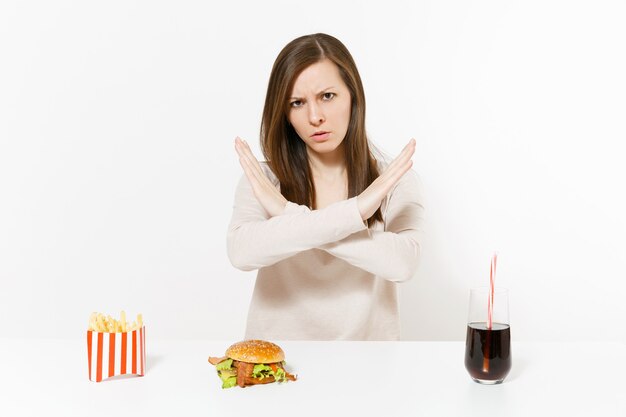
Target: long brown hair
x,y
283,149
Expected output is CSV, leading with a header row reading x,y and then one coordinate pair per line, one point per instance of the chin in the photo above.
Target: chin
x,y
329,146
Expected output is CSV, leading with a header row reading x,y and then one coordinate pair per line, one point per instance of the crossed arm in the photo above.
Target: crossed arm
x,y
258,239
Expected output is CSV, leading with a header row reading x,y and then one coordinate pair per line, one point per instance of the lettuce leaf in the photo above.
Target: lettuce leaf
x,y
228,377
263,371
227,364
280,375
229,382
228,374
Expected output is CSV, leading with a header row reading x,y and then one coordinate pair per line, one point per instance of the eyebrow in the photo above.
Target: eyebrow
x,y
322,91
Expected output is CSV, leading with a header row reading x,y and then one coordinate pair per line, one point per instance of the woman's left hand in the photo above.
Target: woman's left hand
x,y
268,195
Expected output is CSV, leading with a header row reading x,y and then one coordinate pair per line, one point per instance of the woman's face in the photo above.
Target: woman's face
x,y
319,107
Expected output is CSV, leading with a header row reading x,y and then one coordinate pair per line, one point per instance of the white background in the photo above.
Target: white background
x,y
117,166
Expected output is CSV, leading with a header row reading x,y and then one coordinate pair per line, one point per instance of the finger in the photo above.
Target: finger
x,y
236,144
402,169
252,179
244,161
238,141
245,151
255,161
260,181
262,189
246,168
249,165
406,152
239,147
399,164
257,170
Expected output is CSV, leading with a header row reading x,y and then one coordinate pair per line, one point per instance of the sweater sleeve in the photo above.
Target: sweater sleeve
x,y
392,254
255,240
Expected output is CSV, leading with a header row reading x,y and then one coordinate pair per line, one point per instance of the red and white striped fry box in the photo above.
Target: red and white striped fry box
x,y
112,354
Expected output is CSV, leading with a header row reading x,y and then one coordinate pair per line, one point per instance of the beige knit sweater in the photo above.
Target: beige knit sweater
x,y
323,275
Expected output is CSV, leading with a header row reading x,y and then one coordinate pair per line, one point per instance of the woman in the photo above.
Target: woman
x,y
330,228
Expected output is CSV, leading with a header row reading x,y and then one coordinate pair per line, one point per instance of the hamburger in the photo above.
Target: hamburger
x,y
251,362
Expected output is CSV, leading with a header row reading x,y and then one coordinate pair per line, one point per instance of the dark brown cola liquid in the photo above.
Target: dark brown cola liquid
x,y
488,352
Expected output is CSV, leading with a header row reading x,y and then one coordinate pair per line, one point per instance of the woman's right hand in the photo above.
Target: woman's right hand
x,y
265,192
372,197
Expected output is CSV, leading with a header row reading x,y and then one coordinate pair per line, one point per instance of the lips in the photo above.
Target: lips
x,y
320,136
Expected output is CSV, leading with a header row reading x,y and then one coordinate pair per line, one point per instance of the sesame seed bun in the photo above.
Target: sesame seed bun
x,y
256,351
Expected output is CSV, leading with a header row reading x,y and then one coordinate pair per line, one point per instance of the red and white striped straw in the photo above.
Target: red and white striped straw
x,y
492,278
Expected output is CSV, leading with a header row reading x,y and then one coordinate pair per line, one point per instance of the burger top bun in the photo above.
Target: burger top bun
x,y
255,351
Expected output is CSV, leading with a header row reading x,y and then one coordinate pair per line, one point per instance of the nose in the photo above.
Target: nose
x,y
316,116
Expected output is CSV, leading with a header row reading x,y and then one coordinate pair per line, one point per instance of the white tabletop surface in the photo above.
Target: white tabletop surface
x,y
50,377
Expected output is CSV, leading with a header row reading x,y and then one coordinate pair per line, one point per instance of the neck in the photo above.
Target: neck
x,y
328,166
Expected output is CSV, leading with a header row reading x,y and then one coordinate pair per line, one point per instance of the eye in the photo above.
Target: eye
x,y
296,103
328,96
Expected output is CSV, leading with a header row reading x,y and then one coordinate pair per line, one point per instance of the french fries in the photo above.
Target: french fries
x,y
98,322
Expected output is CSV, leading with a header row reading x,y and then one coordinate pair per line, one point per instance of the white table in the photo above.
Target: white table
x,y
49,377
